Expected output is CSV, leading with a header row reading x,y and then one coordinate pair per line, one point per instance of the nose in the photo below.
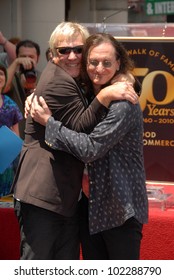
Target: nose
x,y
99,67
72,55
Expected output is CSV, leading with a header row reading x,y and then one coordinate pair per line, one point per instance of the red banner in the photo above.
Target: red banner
x,y
154,60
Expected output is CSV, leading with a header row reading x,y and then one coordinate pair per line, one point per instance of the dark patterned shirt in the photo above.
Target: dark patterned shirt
x,y
114,156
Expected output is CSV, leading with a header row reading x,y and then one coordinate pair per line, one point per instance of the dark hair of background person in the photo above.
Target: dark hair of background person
x,y
48,54
27,44
14,40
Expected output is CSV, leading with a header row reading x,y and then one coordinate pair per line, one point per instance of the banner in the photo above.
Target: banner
x,y
154,62
159,7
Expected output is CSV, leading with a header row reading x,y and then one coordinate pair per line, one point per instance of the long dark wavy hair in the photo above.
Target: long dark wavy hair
x,y
126,64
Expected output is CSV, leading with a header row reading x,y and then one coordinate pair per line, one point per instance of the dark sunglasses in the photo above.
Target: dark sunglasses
x,y
68,50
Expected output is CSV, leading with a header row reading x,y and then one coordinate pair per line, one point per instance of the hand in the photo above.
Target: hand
x,y
129,78
27,62
124,91
40,111
117,91
28,102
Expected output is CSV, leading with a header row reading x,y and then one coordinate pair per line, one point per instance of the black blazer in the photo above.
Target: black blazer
x,y
47,178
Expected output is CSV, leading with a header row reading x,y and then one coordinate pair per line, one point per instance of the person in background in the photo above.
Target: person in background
x,y
23,75
48,183
10,116
9,50
116,207
48,54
